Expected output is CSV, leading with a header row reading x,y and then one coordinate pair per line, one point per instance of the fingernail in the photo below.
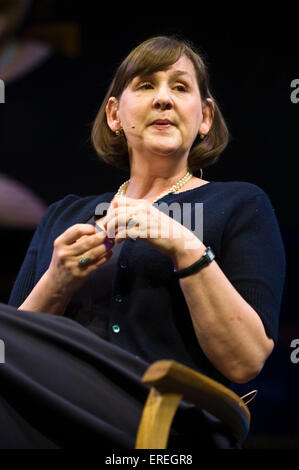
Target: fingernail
x,y
108,243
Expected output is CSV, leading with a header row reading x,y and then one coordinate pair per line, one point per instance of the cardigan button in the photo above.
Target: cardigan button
x,y
115,328
118,298
122,264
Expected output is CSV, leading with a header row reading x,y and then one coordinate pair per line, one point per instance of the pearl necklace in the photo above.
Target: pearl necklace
x,y
123,188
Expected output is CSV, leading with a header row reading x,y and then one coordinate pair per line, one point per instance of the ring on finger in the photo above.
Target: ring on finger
x,y
131,222
84,260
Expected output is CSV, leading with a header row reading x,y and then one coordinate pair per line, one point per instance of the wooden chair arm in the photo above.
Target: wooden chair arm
x,y
171,382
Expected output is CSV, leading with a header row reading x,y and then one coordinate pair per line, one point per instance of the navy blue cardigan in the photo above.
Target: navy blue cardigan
x,y
146,301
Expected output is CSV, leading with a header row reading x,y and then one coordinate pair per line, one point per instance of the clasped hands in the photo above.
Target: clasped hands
x,y
66,273
138,218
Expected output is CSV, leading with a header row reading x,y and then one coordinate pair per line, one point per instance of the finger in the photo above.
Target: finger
x,y
111,215
121,214
114,211
122,205
93,256
74,232
103,259
98,226
122,221
87,243
122,235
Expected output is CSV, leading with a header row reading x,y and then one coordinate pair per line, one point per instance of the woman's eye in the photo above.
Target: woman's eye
x,y
180,88
149,86
145,86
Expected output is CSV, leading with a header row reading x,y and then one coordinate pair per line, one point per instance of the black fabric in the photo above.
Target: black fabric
x,y
62,386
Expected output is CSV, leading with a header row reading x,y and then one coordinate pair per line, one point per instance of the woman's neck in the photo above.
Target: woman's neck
x,y
149,186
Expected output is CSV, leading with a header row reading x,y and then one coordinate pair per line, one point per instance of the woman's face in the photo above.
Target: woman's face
x,y
162,113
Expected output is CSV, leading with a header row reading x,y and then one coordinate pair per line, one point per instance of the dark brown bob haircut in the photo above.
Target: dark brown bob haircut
x,y
150,56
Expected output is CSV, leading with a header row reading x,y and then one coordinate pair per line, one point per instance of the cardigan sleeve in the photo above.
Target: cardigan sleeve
x,y
59,216
253,257
25,280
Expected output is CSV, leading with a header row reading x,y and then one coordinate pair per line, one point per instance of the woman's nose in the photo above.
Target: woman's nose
x,y
162,100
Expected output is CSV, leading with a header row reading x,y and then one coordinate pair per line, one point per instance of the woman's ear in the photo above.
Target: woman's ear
x,y
208,110
112,114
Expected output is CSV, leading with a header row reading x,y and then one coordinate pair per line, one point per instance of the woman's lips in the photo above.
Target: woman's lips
x,y
162,125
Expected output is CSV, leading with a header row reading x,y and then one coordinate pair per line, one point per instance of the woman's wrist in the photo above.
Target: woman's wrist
x,y
55,290
186,252
46,298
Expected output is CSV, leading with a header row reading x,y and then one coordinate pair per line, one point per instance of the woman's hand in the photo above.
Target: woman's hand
x,y
65,272
138,218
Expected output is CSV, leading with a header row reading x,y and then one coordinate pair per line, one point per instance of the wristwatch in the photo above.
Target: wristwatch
x,y
206,259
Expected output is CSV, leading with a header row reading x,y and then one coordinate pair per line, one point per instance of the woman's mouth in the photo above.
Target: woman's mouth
x,y
162,124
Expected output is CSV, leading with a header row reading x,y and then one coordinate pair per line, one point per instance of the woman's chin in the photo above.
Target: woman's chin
x,y
165,148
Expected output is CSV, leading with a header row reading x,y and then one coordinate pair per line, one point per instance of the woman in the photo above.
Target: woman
x,y
114,273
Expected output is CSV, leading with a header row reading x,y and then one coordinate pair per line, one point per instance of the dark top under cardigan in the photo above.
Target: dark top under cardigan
x,y
134,300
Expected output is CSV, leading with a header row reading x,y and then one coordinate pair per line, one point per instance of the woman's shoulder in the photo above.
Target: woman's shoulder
x,y
244,197
224,191
241,199
239,187
235,191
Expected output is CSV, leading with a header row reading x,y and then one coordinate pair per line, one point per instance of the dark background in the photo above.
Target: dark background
x,y
252,55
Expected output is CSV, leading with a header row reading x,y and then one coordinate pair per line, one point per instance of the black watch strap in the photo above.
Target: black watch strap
x,y
206,259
